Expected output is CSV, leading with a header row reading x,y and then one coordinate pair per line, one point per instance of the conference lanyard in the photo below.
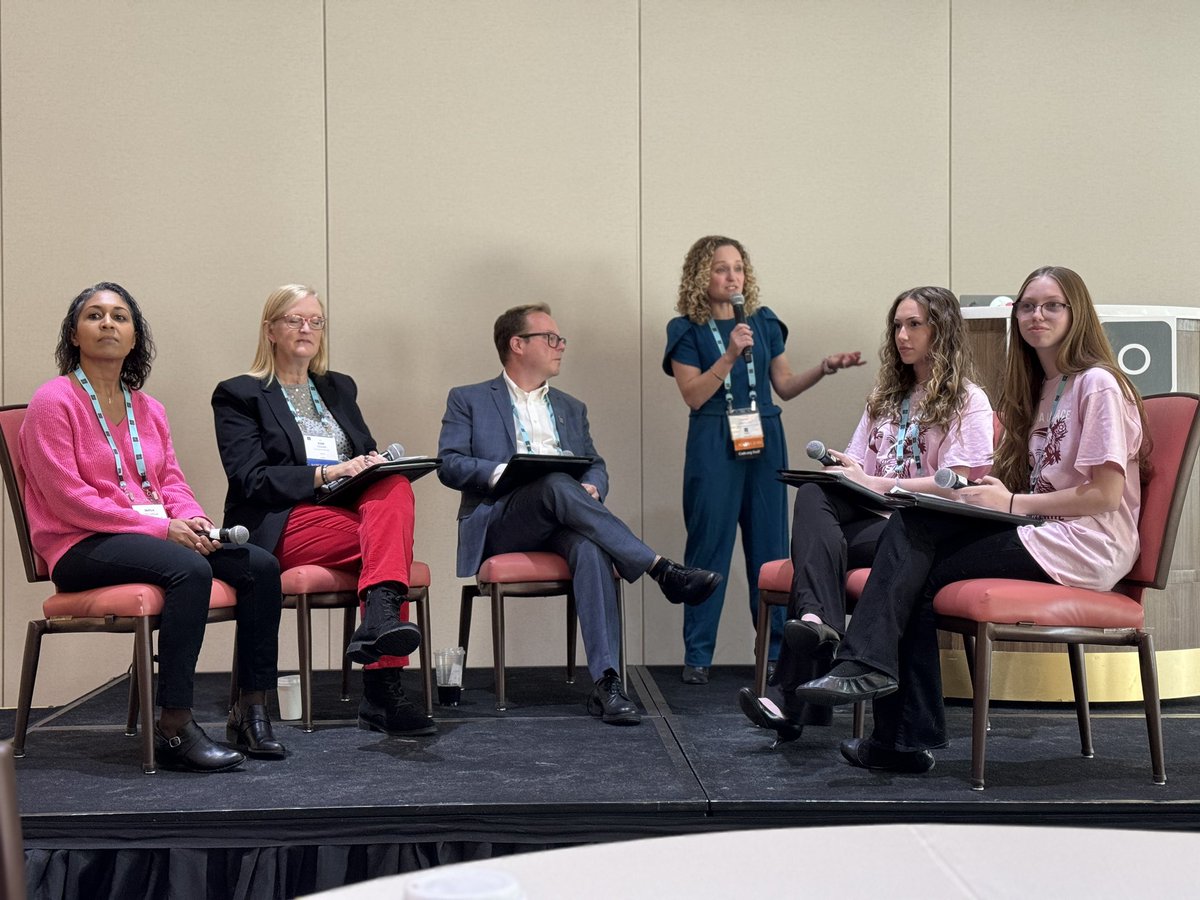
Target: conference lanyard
x,y
902,439
712,326
316,399
138,458
1035,474
319,449
524,433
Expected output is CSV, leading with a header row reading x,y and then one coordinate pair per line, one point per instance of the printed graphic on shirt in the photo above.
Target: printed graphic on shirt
x,y
1050,454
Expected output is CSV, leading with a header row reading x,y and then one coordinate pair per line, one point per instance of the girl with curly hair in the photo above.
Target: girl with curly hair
x,y
726,370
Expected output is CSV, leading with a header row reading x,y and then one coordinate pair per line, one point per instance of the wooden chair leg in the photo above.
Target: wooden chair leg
x,y
982,689
572,635
1150,698
1079,685
29,667
348,621
421,604
143,671
304,647
465,603
498,644
762,639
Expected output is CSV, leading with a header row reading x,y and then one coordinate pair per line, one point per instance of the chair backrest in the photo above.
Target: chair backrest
x,y
1174,421
11,418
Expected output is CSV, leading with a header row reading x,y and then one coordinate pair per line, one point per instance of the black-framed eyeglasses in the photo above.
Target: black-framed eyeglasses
x,y
316,323
554,340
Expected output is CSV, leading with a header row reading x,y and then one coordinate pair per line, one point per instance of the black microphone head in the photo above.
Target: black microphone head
x,y
239,534
394,451
948,478
815,449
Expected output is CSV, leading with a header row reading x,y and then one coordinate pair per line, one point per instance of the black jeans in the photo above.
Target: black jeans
x,y
893,628
103,560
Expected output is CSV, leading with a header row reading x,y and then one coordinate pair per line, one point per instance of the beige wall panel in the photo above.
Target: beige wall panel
x,y
815,133
483,155
1076,134
177,148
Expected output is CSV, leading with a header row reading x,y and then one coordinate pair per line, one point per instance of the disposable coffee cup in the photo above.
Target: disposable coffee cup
x,y
288,692
449,666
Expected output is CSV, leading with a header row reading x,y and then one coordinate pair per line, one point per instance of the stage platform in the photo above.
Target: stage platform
x,y
348,804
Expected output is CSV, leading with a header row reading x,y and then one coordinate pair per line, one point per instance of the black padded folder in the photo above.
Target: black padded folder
x,y
958,508
523,468
348,491
852,491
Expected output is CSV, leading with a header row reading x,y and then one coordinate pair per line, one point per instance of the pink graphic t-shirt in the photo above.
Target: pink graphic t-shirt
x,y
1092,424
876,444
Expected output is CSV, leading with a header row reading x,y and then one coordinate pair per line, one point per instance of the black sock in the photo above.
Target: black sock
x,y
850,668
657,569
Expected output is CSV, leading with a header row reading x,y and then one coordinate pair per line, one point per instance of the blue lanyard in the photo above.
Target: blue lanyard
x,y
902,439
138,458
1041,458
712,326
316,399
524,433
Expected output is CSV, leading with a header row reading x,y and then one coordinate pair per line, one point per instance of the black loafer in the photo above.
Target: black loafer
x,y
868,754
764,717
681,584
609,701
250,732
811,640
194,751
833,690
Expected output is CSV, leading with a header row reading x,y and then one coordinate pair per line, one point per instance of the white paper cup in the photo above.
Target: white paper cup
x,y
288,691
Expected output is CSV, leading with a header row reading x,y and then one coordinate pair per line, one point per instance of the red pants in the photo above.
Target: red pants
x,y
377,535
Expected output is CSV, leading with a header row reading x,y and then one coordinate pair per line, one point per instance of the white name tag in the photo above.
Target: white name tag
x,y
746,431
153,510
321,451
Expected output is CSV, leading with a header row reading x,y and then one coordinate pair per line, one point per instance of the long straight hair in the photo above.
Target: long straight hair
x,y
281,300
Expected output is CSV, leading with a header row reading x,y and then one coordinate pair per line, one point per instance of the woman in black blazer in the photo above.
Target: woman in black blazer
x,y
284,430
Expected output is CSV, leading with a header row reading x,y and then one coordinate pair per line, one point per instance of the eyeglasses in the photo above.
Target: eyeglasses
x,y
1049,309
554,340
316,323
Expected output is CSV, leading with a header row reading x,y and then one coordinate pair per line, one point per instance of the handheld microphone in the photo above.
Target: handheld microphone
x,y
949,479
238,534
739,315
816,450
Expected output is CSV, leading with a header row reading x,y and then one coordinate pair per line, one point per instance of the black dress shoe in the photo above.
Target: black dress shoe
x,y
811,640
868,754
682,584
381,632
191,750
694,675
249,731
834,690
384,706
764,717
609,701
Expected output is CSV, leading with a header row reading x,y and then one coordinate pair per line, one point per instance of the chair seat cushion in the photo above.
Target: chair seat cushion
x,y
124,600
317,580
856,580
514,568
776,575
418,575
1010,601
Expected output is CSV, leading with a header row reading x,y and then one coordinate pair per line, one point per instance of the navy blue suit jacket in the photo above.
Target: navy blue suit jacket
x,y
478,434
262,449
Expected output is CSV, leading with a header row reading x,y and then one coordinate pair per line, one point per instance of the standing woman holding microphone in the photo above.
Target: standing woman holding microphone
x,y
726,353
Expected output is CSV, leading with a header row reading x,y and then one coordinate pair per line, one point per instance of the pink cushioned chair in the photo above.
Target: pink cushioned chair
x,y
534,574
774,589
306,588
1003,609
121,609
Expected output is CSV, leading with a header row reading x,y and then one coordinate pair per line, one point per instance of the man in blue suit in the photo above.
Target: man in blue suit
x,y
518,412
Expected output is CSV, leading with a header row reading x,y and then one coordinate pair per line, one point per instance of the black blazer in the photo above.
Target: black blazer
x,y
262,449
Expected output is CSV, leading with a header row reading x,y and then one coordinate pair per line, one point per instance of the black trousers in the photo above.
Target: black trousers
x,y
893,628
186,576
829,536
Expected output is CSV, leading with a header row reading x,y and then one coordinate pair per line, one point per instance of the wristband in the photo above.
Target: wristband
x,y
324,477
1011,498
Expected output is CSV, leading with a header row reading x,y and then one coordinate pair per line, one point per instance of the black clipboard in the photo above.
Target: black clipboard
x,y
958,508
851,490
348,491
523,468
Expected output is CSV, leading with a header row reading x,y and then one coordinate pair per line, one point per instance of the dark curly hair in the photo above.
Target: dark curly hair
x,y
136,368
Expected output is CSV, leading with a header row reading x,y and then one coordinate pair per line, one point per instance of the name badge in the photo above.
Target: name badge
x,y
321,451
153,510
746,430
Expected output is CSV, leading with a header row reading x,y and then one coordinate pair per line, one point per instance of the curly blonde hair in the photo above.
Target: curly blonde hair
x,y
1086,346
950,362
697,270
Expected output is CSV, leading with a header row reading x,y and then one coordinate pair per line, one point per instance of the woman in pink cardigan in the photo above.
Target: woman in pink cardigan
x,y
108,504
